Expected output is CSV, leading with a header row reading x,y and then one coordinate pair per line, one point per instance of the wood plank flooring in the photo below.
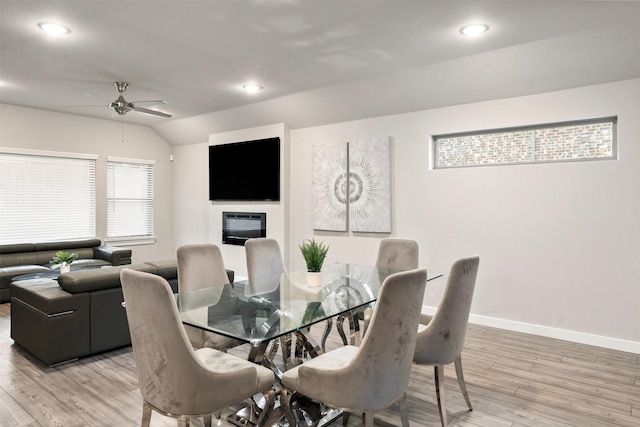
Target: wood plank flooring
x,y
513,379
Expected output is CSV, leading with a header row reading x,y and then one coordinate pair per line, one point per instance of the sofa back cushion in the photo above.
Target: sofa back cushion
x,y
42,253
91,280
45,257
18,258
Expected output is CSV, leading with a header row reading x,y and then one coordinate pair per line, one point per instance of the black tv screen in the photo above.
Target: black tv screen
x,y
245,171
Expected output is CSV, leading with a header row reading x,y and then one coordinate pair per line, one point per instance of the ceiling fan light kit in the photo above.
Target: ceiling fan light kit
x,y
122,106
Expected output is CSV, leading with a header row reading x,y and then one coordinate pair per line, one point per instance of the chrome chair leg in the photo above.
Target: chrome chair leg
x,y
285,400
207,420
463,385
438,378
270,396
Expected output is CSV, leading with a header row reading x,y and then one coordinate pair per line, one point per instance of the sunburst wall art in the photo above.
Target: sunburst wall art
x,y
329,187
354,177
370,185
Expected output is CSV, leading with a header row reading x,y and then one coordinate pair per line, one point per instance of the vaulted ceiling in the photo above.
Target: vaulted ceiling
x,y
318,61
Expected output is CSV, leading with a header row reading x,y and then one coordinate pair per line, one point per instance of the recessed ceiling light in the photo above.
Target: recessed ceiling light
x,y
474,29
252,87
52,28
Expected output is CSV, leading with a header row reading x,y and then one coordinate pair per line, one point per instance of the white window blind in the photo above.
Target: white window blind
x,y
46,196
129,199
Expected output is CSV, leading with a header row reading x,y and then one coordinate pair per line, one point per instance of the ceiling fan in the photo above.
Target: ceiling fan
x,y
122,106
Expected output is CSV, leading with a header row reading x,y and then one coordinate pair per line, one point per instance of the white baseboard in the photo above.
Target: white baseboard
x,y
549,332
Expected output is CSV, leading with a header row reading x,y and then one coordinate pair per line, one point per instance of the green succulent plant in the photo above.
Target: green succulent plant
x,y
64,257
314,254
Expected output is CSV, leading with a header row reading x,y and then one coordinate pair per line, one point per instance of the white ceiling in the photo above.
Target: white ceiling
x,y
319,61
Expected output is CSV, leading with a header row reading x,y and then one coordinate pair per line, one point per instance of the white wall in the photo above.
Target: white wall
x,y
34,129
559,243
199,220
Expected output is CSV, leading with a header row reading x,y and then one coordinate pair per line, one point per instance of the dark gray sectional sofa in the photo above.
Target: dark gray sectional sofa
x,y
26,258
77,315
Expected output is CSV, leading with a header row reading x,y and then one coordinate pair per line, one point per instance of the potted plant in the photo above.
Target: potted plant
x,y
64,259
314,254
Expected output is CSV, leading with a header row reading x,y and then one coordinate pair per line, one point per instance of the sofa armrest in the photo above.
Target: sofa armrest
x,y
113,254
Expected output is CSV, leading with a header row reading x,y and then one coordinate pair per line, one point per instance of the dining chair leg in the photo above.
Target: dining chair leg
x,y
285,400
146,415
438,379
270,396
345,418
463,385
404,410
368,419
207,420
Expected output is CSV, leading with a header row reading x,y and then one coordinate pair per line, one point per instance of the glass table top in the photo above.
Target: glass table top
x,y
268,307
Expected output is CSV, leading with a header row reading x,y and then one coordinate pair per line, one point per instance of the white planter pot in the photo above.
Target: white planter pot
x,y
314,278
65,268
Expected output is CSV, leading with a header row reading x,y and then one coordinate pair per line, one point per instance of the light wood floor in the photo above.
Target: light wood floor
x,y
513,379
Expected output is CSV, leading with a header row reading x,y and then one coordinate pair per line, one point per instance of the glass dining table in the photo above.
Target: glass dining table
x,y
276,309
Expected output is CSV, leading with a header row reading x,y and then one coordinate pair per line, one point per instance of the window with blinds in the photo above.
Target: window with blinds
x,y
46,196
129,200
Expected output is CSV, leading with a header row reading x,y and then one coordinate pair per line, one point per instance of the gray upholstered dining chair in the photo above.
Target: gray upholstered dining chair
x,y
265,264
174,379
201,266
441,337
398,254
395,254
374,375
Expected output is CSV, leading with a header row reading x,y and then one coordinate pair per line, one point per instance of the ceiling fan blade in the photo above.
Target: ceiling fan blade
x,y
152,102
154,112
86,105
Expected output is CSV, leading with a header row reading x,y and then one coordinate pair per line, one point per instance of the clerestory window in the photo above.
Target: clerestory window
x,y
593,139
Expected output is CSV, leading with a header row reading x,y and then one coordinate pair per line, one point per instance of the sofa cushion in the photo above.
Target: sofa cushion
x,y
88,280
8,273
46,296
167,268
84,263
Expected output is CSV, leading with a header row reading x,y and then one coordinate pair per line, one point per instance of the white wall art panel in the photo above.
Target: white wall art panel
x,y
329,187
370,185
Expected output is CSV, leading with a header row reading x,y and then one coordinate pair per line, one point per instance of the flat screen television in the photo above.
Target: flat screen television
x,y
245,171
